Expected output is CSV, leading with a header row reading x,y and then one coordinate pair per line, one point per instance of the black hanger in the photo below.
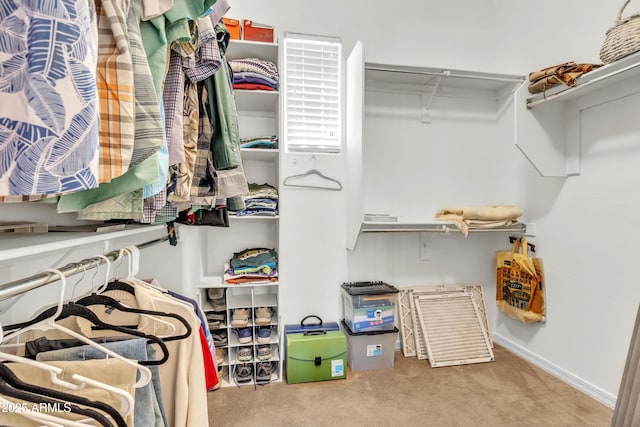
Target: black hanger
x,y
117,285
12,379
71,309
100,299
8,390
532,247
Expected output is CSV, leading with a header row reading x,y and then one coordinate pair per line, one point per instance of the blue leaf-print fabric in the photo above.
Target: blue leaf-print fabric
x,y
48,97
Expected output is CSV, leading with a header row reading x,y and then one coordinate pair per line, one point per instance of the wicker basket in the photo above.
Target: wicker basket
x,y
622,39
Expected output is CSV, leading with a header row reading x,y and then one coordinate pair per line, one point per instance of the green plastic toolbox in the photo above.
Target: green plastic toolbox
x,y
316,355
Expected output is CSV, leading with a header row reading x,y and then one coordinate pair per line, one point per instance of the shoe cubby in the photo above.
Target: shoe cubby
x,y
258,305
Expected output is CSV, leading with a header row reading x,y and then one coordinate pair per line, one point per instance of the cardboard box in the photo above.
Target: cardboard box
x,y
316,356
257,32
233,25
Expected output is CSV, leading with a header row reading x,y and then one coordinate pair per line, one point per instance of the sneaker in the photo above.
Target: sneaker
x,y
240,318
264,352
215,293
244,354
244,335
243,373
264,335
263,316
263,372
219,338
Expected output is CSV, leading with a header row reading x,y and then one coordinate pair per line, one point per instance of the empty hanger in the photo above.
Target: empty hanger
x,y
311,172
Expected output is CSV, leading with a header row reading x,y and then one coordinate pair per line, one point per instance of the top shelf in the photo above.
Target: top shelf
x,y
239,49
609,74
423,79
16,245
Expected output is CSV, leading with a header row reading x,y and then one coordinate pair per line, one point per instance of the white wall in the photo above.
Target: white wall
x,y
583,222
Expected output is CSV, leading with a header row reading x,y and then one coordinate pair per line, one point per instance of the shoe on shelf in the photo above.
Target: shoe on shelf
x,y
219,338
243,373
264,352
240,318
220,353
263,316
218,304
215,320
263,372
244,354
244,335
215,293
264,335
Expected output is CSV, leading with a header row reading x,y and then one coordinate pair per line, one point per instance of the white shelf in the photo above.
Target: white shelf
x,y
411,79
610,74
260,154
441,227
240,49
16,245
217,282
548,125
258,102
248,218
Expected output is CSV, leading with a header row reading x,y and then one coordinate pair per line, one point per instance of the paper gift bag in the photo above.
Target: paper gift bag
x,y
520,289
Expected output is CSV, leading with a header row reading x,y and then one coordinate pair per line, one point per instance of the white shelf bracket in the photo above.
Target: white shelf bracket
x,y
427,102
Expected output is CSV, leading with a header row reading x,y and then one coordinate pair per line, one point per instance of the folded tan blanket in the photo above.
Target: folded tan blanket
x,y
467,217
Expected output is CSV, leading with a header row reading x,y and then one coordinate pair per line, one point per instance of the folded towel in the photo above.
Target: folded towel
x,y
466,217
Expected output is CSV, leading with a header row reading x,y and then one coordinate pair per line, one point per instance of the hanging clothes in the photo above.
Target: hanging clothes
x,y
49,113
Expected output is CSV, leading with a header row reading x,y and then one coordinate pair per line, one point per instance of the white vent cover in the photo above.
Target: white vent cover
x,y
412,340
453,331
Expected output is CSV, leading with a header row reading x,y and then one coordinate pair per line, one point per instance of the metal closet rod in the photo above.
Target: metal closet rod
x,y
449,73
27,284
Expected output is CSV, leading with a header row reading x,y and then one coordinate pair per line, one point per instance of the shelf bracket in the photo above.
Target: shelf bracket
x,y
426,102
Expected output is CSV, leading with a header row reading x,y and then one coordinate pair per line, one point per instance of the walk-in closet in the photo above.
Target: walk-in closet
x,y
192,192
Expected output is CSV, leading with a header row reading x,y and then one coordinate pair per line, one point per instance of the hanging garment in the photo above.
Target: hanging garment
x,y
49,113
182,377
115,89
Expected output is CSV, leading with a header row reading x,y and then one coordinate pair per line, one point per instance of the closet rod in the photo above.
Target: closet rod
x,y
448,73
20,286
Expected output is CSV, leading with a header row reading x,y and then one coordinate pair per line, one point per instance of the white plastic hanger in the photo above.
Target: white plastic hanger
x,y
310,172
44,418
145,373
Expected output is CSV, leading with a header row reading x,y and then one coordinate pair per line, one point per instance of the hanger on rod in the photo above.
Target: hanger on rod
x,y
44,323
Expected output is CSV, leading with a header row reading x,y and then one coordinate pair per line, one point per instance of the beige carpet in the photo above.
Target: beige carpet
x,y
507,392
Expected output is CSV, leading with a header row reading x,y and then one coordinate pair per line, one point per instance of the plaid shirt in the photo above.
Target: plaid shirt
x,y
114,80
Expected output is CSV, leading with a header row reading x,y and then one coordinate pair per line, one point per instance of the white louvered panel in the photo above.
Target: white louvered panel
x,y
412,339
453,331
406,323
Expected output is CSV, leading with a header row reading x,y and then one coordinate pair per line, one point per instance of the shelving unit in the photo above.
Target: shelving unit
x,y
488,94
258,116
548,124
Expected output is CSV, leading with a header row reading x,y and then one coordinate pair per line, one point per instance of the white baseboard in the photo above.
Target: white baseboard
x,y
597,393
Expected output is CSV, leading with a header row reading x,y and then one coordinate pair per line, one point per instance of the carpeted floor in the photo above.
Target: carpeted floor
x,y
507,392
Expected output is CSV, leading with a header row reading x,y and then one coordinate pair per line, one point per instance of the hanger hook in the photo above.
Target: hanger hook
x,y
63,285
106,276
84,273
